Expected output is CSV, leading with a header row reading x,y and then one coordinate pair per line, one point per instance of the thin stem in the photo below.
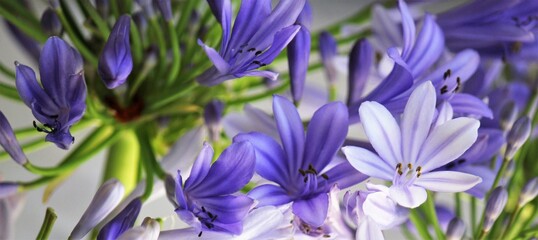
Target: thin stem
x,y
78,42
432,217
422,229
95,17
161,43
34,32
499,175
149,155
9,92
176,58
7,71
457,200
509,227
473,215
48,223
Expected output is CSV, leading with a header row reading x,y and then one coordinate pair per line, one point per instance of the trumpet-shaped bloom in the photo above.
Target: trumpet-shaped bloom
x,y
61,101
303,167
116,62
407,153
259,34
205,199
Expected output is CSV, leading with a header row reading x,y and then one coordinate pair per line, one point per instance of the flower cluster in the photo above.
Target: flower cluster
x,y
435,138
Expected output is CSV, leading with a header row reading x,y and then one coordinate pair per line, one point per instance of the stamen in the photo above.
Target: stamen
x,y
324,176
251,50
458,81
258,53
447,74
399,168
311,167
410,166
200,234
444,89
302,172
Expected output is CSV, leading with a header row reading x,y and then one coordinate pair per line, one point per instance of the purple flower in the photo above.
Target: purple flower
x,y
50,22
407,154
165,6
61,101
303,166
123,221
259,34
328,51
298,55
360,60
212,116
116,62
205,199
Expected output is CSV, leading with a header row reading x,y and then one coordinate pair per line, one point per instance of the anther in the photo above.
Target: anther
x,y
251,50
410,166
447,74
258,53
302,172
305,179
458,81
203,209
324,176
200,234
444,89
311,167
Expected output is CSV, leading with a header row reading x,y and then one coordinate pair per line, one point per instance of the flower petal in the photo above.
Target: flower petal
x,y
269,195
368,229
344,175
32,94
291,132
428,47
325,135
447,142
447,181
408,196
251,15
382,131
416,120
280,41
228,209
383,210
470,105
408,26
200,167
298,55
360,61
220,64
313,211
232,170
368,163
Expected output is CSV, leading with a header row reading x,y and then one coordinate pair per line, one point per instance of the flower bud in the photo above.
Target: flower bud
x,y
170,187
105,200
8,188
298,55
328,51
147,7
103,7
122,222
360,61
166,9
529,192
9,142
494,207
141,21
455,229
212,115
508,115
518,134
116,62
149,230
50,22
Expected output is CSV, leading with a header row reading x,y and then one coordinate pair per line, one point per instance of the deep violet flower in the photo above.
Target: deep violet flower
x,y
259,34
206,201
122,222
9,142
303,167
407,154
361,59
116,62
61,101
299,53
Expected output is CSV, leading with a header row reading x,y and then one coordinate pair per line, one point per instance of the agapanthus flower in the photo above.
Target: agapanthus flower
x,y
328,52
149,230
259,34
407,153
9,142
361,59
61,101
372,211
206,201
50,22
122,222
303,166
299,53
116,62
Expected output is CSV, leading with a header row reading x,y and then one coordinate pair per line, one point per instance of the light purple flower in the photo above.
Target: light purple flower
x,y
407,153
303,166
259,34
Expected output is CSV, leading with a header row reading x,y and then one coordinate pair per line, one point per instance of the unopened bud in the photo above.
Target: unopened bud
x,y
529,192
141,21
149,230
518,134
298,56
50,22
122,222
455,229
328,51
212,115
103,7
9,142
116,62
105,200
508,115
360,61
170,187
166,9
494,207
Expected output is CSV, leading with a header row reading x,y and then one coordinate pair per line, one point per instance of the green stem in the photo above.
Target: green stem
x,y
78,42
432,217
25,186
332,92
149,155
95,17
176,59
457,200
7,71
34,32
499,175
136,47
509,227
122,160
9,92
161,43
99,139
168,99
48,223
474,207
421,227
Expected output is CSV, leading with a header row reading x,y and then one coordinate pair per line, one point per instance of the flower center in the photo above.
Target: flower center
x,y
406,174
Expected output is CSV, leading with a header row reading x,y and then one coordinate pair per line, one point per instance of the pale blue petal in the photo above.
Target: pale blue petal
x,y
447,181
408,196
369,163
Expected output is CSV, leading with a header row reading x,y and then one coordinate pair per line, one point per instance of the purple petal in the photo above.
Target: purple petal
x,y
32,94
381,208
325,135
266,74
368,229
298,55
284,14
328,51
229,209
485,173
313,211
200,167
447,181
416,120
360,62
220,64
280,41
470,105
344,175
408,26
252,14
368,163
271,163
269,195
232,170
429,46
222,9
387,30
499,31
382,131
447,142
463,65
291,132
444,114
9,142
408,196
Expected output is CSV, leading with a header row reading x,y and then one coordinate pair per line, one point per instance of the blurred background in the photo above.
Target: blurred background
x,y
73,196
